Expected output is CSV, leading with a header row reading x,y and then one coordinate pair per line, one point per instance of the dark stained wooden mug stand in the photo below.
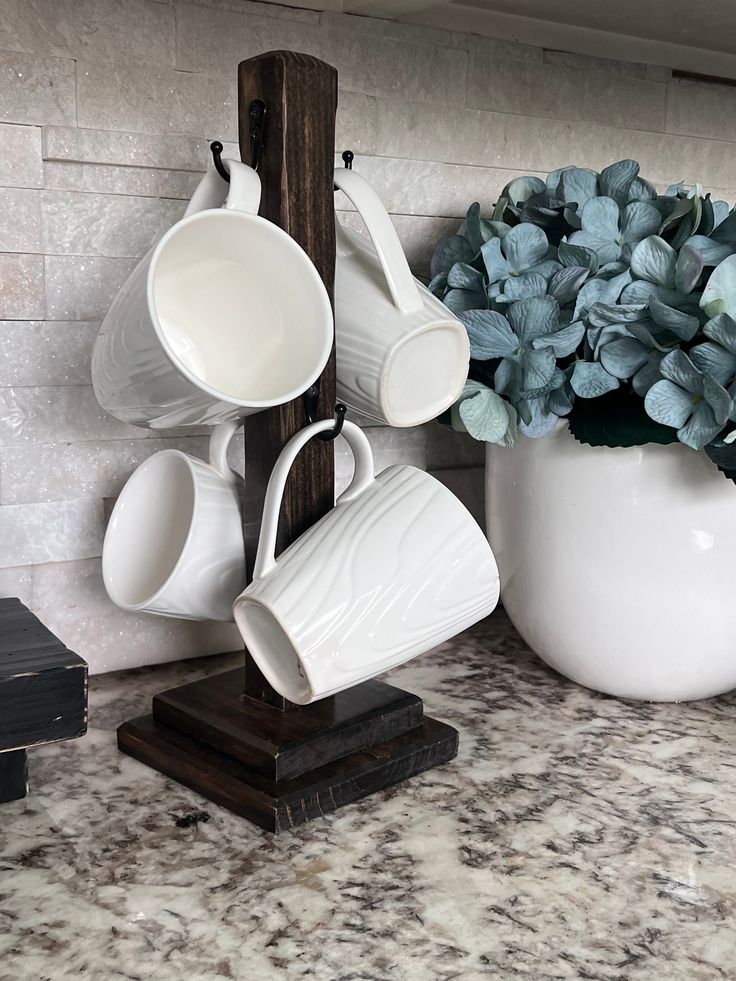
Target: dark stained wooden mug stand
x,y
231,737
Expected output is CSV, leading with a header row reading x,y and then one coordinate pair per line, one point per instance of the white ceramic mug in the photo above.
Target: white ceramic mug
x,y
225,316
402,356
397,567
174,543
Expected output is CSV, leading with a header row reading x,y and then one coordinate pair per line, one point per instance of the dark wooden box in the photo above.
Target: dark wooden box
x,y
43,685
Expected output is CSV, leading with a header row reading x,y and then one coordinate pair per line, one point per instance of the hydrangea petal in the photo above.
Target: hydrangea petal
x,y
655,261
622,358
722,330
668,404
715,361
590,379
678,368
489,333
701,428
639,220
534,317
484,414
524,246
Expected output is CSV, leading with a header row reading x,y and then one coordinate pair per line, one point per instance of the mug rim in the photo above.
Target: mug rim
x,y
179,365
263,664
144,604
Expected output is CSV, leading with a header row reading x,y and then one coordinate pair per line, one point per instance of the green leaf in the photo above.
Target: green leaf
x,y
590,380
616,419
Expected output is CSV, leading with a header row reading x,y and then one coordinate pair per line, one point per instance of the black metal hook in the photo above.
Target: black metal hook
x,y
257,115
216,148
348,156
311,398
333,433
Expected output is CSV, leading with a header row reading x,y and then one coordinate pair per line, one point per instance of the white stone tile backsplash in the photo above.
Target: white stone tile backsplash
x,y
106,110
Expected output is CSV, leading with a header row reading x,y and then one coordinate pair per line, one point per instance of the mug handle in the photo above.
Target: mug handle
x,y
243,193
401,282
219,442
363,477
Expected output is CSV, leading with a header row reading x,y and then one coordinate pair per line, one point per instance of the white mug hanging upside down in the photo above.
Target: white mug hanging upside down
x,y
397,567
224,317
402,356
174,542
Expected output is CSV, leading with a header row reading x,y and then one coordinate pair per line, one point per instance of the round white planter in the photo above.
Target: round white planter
x,y
618,565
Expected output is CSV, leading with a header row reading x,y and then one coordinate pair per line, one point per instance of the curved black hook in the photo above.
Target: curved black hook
x,y
311,397
333,433
216,148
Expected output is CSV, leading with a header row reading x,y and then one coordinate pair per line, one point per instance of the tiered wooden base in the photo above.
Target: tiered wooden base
x,y
279,769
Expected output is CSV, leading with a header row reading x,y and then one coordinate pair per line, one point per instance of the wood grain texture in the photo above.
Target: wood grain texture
x,y
43,685
288,803
283,745
296,172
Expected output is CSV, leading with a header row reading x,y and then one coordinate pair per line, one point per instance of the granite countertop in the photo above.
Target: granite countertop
x,y
575,836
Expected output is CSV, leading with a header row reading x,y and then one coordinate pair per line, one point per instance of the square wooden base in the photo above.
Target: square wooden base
x,y
279,805
279,769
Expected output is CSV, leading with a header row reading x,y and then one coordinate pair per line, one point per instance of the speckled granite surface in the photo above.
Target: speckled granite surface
x,y
576,836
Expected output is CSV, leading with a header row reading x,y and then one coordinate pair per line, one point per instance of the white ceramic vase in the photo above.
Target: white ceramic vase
x,y
617,564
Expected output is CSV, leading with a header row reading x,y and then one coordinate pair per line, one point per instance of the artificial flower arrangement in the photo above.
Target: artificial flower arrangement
x,y
594,298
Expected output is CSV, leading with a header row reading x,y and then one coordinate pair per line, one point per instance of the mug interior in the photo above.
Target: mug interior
x,y
240,307
272,650
425,373
148,530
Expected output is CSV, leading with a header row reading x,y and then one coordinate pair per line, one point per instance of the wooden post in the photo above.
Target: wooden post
x,y
232,737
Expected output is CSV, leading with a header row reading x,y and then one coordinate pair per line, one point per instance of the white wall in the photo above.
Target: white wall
x,y
106,109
